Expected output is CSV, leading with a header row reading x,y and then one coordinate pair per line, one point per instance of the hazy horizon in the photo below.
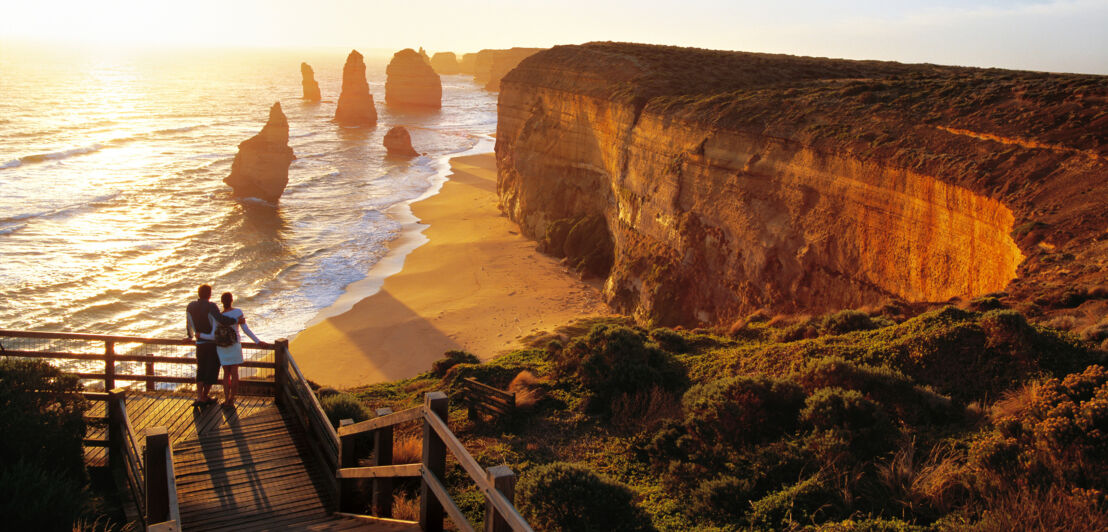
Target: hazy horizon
x,y
1052,35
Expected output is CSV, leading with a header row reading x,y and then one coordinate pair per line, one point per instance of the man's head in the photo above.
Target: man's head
x,y
205,292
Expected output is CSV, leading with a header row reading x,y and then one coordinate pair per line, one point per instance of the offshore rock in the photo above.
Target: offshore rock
x,y
398,142
261,167
423,55
355,106
411,82
728,182
444,63
311,88
468,64
490,66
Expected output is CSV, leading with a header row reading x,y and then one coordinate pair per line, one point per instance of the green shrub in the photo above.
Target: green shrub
x,y
911,403
846,321
565,497
450,359
847,412
670,340
613,360
343,406
801,503
41,417
33,497
740,410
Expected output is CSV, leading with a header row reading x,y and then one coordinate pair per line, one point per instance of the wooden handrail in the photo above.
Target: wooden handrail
x,y
113,338
501,512
370,425
184,361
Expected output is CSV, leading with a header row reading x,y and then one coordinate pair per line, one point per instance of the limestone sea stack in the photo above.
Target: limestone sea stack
x,y
261,167
423,54
311,88
411,82
398,142
356,106
467,64
444,63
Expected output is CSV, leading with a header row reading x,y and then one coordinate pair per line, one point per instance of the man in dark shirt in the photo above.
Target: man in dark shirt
x,y
199,316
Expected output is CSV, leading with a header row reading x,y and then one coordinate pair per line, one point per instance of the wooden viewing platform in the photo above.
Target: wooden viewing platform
x,y
272,462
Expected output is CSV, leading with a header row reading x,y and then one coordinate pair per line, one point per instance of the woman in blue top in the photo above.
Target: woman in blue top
x,y
231,356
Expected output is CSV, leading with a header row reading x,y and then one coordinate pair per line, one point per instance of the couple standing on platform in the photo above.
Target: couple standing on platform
x,y
204,317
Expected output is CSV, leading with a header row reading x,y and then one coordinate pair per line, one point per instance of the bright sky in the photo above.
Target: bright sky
x,y
1053,35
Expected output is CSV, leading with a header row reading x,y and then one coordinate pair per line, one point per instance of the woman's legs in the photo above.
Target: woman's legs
x,y
230,383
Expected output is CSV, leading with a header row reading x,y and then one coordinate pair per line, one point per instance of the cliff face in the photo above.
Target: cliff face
x,y
261,167
311,88
731,182
411,81
356,107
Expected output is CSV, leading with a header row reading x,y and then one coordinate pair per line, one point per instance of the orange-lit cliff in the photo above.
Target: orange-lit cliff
x,y
732,181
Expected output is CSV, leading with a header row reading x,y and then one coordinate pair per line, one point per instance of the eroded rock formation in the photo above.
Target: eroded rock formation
x,y
489,66
411,82
261,167
399,143
444,63
311,88
729,182
355,106
467,64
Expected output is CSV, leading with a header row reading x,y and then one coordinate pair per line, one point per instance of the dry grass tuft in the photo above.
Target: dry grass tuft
x,y
528,389
1052,509
645,410
936,485
1062,323
405,508
1015,402
407,449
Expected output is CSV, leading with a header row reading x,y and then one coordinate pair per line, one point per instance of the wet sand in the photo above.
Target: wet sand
x,y
477,285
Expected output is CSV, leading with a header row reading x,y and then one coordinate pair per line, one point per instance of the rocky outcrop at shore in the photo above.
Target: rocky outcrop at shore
x,y
355,106
399,143
728,182
311,88
444,63
261,167
411,82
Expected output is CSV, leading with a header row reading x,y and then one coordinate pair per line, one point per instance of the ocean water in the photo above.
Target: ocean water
x,y
113,208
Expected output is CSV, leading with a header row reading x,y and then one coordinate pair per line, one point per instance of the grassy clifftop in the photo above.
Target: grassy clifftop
x,y
850,421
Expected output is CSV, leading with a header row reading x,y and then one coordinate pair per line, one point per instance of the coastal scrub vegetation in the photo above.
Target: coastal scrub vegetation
x,y
952,418
43,481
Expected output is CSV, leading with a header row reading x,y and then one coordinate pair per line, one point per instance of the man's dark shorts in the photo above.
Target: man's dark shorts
x,y
207,364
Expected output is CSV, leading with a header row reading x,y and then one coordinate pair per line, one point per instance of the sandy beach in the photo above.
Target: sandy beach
x,y
477,285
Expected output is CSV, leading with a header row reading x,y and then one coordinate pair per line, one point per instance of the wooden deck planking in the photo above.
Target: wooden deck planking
x,y
246,468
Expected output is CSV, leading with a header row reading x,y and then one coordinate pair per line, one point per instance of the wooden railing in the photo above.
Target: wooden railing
x,y
111,373
484,399
147,469
496,483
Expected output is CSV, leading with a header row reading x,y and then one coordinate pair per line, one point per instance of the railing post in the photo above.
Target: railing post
x,y
281,367
503,480
348,457
149,376
434,461
116,396
382,456
109,364
157,478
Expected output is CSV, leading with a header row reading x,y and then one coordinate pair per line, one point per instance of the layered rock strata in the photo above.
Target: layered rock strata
x,y
311,88
444,63
729,182
399,143
356,107
261,166
411,82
